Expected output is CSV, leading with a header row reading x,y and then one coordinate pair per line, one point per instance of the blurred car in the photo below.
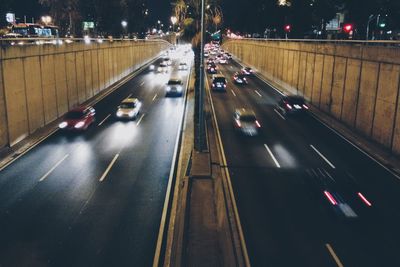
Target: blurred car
x,y
152,67
174,87
292,105
218,82
228,56
211,69
210,61
206,54
246,122
79,118
168,61
183,66
223,60
129,108
247,71
339,191
163,67
239,78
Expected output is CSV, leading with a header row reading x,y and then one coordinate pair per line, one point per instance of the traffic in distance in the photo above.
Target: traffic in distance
x,y
306,196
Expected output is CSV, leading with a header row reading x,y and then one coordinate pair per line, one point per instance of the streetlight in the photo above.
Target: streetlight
x,y
173,21
46,19
124,24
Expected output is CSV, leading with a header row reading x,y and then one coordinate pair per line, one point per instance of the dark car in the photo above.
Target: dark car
x,y
218,83
246,122
292,105
211,69
239,78
174,87
79,118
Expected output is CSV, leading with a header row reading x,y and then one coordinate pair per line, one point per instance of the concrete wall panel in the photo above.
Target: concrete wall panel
x,y
17,117
61,84
87,57
367,97
339,77
309,75
388,86
351,87
49,88
70,69
3,112
326,88
34,93
317,79
80,77
302,73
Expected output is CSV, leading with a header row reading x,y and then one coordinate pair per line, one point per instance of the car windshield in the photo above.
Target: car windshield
x,y
74,115
295,100
182,64
248,118
174,82
163,64
219,80
128,105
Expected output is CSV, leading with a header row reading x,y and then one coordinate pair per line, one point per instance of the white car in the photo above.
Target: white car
x,y
174,87
182,66
223,61
128,109
163,67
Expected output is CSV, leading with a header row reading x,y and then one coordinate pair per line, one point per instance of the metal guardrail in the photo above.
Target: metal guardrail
x,y
393,43
6,42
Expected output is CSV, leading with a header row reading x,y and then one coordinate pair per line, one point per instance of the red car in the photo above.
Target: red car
x,y
79,118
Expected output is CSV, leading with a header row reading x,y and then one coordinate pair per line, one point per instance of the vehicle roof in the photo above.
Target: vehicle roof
x,y
174,79
130,100
218,76
244,111
80,108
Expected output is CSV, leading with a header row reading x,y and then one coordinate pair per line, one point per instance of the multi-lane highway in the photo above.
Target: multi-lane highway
x,y
95,198
303,192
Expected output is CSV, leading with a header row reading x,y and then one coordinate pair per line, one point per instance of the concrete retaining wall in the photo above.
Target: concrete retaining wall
x,y
38,84
356,84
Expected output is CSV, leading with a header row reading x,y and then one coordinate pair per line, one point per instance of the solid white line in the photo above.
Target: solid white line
x,y
140,119
156,259
52,169
356,147
104,120
322,156
258,93
233,92
334,256
108,168
230,188
129,96
272,156
154,97
141,83
279,114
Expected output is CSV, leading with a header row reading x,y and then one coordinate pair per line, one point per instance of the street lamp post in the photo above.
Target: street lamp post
x,y
46,20
124,24
201,89
173,21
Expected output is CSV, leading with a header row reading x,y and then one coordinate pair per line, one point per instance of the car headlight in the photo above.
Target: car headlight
x,y
151,67
79,125
131,113
159,69
179,89
168,88
63,125
119,113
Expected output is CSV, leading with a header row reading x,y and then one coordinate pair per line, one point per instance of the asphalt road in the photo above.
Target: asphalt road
x,y
55,211
286,217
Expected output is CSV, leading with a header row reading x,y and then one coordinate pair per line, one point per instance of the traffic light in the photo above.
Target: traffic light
x,y
348,28
287,28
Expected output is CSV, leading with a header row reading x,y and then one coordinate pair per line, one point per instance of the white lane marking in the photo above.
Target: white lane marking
x,y
258,93
108,168
129,96
141,83
233,92
272,156
334,256
279,114
356,146
154,97
323,157
52,169
104,120
140,119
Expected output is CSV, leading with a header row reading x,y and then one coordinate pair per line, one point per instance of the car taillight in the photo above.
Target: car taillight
x,y
364,199
258,124
238,123
330,198
305,106
213,85
288,106
224,85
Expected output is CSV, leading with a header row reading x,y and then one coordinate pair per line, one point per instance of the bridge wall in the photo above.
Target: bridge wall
x,y
40,83
354,83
